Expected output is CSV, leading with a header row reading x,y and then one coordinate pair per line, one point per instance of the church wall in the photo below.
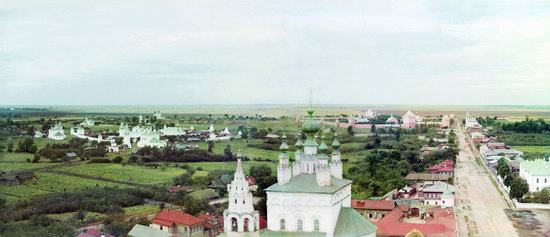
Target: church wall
x,y
305,206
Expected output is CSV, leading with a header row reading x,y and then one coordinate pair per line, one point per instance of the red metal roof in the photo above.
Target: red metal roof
x,y
169,218
93,233
442,223
373,204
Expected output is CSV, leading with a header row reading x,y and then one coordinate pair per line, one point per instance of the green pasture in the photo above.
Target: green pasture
x,y
536,149
51,182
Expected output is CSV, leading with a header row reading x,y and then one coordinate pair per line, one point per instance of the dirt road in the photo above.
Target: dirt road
x,y
479,205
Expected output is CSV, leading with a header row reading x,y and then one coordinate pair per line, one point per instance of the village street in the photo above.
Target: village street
x,y
479,205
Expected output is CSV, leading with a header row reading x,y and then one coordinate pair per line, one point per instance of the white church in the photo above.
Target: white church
x,y
56,132
310,197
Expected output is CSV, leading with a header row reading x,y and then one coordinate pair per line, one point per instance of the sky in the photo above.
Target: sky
x,y
102,52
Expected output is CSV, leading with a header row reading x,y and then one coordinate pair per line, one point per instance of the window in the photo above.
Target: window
x,y
370,215
243,201
282,224
316,225
235,201
300,225
161,227
537,180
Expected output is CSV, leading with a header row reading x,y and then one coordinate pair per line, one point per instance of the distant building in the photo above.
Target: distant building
x,y
536,173
56,132
87,122
445,121
70,156
410,120
430,222
150,138
370,114
38,134
471,122
77,131
171,131
392,120
17,177
157,115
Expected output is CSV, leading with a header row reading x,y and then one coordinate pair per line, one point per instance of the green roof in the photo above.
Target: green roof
x,y
350,223
146,231
307,183
538,167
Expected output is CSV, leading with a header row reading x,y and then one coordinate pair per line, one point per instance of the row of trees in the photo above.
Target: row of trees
x,y
168,154
528,126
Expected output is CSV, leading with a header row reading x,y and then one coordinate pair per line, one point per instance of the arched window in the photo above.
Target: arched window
x,y
243,201
316,225
235,201
282,224
300,225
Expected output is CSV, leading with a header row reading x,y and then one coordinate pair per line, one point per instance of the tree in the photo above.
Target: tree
x,y
518,188
509,179
10,147
372,128
543,196
502,167
211,145
33,149
350,131
80,215
25,145
194,206
227,153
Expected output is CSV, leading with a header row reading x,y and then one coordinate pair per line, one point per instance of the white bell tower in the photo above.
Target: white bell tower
x,y
240,217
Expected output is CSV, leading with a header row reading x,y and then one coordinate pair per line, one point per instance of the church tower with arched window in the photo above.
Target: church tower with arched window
x,y
240,217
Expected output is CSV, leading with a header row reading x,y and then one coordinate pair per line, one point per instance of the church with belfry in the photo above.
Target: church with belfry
x,y
310,198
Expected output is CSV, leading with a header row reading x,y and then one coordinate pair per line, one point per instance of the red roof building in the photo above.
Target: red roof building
x,y
212,226
93,233
438,222
373,209
178,223
445,167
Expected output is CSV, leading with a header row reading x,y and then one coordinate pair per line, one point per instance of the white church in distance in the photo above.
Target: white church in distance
x,y
310,197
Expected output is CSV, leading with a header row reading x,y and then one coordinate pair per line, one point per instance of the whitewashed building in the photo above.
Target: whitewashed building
x,y
536,173
88,122
310,195
157,115
171,131
77,131
56,132
150,138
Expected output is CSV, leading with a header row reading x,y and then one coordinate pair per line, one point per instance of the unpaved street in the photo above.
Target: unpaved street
x,y
479,206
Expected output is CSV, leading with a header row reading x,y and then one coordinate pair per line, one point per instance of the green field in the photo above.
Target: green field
x,y
51,182
537,149
129,173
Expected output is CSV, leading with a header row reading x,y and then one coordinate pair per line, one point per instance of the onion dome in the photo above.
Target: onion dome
x,y
323,147
335,143
284,146
299,142
311,126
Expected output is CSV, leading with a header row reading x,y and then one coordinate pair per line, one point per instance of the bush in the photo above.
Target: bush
x,y
99,160
117,159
